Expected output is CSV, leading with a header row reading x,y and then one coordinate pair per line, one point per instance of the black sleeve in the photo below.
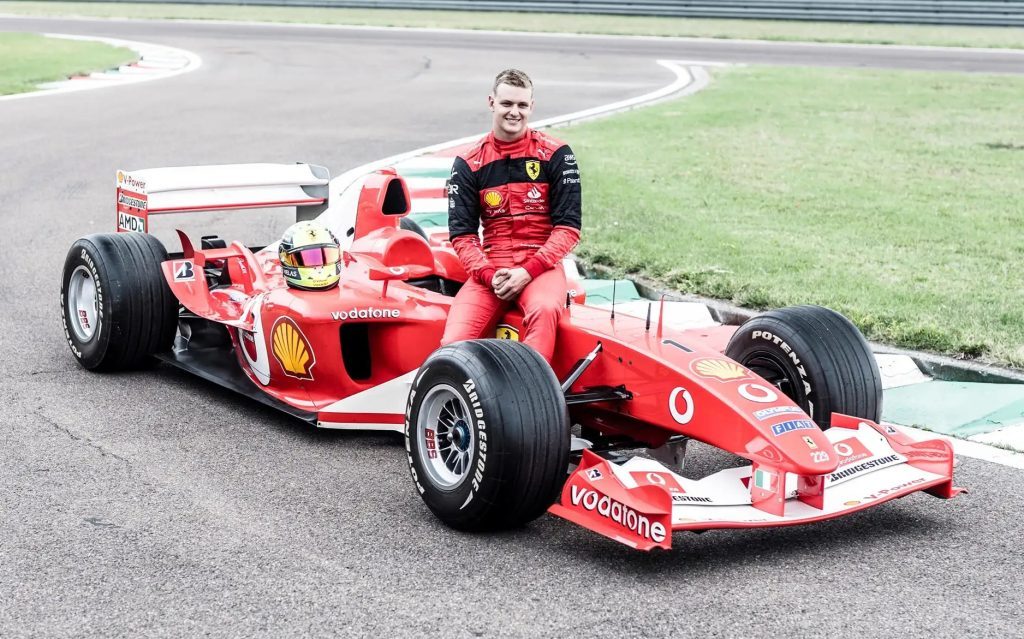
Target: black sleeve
x,y
463,201
566,194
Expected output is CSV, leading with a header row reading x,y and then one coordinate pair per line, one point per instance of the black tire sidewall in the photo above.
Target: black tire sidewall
x,y
830,365
479,485
136,308
411,225
90,353
791,352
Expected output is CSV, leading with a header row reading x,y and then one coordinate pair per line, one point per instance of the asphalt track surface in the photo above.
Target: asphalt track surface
x,y
154,504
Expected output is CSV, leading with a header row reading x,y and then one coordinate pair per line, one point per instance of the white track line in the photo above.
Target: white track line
x,y
157,62
538,34
1011,437
687,81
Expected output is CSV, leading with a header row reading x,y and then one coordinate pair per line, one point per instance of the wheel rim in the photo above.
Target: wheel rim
x,y
83,304
776,372
445,436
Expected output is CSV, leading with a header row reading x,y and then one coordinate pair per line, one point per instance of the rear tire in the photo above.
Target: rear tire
x,y
117,309
816,357
487,434
413,226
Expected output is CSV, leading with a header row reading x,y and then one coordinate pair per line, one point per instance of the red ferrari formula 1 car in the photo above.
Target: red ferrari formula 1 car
x,y
494,435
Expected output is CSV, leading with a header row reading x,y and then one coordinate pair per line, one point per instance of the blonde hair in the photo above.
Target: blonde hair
x,y
513,77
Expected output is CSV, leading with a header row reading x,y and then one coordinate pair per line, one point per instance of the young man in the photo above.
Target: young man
x,y
523,187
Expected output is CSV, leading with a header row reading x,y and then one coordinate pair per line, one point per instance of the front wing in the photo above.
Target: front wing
x,y
641,502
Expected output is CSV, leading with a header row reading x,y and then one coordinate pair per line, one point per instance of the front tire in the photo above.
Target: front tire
x,y
487,434
816,357
117,309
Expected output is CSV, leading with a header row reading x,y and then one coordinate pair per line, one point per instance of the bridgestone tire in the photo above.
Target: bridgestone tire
x,y
516,439
135,314
815,356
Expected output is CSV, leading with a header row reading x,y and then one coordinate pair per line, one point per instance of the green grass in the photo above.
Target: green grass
x,y
29,59
618,25
896,198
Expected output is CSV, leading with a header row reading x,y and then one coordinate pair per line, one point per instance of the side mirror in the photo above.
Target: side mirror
x,y
380,273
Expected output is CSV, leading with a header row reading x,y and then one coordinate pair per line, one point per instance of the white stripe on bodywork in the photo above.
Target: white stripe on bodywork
x,y
383,428
388,398
260,366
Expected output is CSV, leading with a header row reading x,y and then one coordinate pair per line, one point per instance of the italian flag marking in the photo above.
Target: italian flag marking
x,y
764,479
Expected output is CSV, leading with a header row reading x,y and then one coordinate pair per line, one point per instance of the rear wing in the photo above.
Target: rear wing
x,y
147,192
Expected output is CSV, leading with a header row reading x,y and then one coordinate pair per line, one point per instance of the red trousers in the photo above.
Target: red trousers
x,y
476,308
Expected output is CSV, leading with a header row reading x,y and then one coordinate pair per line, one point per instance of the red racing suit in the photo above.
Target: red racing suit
x,y
526,194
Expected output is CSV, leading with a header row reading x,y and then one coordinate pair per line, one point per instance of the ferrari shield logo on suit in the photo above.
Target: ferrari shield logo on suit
x,y
532,169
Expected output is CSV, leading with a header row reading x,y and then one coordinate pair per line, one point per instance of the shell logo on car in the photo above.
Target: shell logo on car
x,y
720,369
292,350
125,179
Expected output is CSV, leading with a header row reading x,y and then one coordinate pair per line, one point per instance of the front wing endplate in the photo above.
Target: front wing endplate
x,y
636,502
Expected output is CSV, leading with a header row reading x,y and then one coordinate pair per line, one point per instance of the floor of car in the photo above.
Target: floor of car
x,y
219,365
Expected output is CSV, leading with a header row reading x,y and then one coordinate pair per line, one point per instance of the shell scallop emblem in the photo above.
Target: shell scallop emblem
x,y
492,199
721,369
292,350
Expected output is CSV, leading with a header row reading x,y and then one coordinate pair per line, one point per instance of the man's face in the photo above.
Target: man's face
x,y
511,107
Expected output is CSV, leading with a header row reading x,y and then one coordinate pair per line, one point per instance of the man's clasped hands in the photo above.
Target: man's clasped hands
x,y
508,283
